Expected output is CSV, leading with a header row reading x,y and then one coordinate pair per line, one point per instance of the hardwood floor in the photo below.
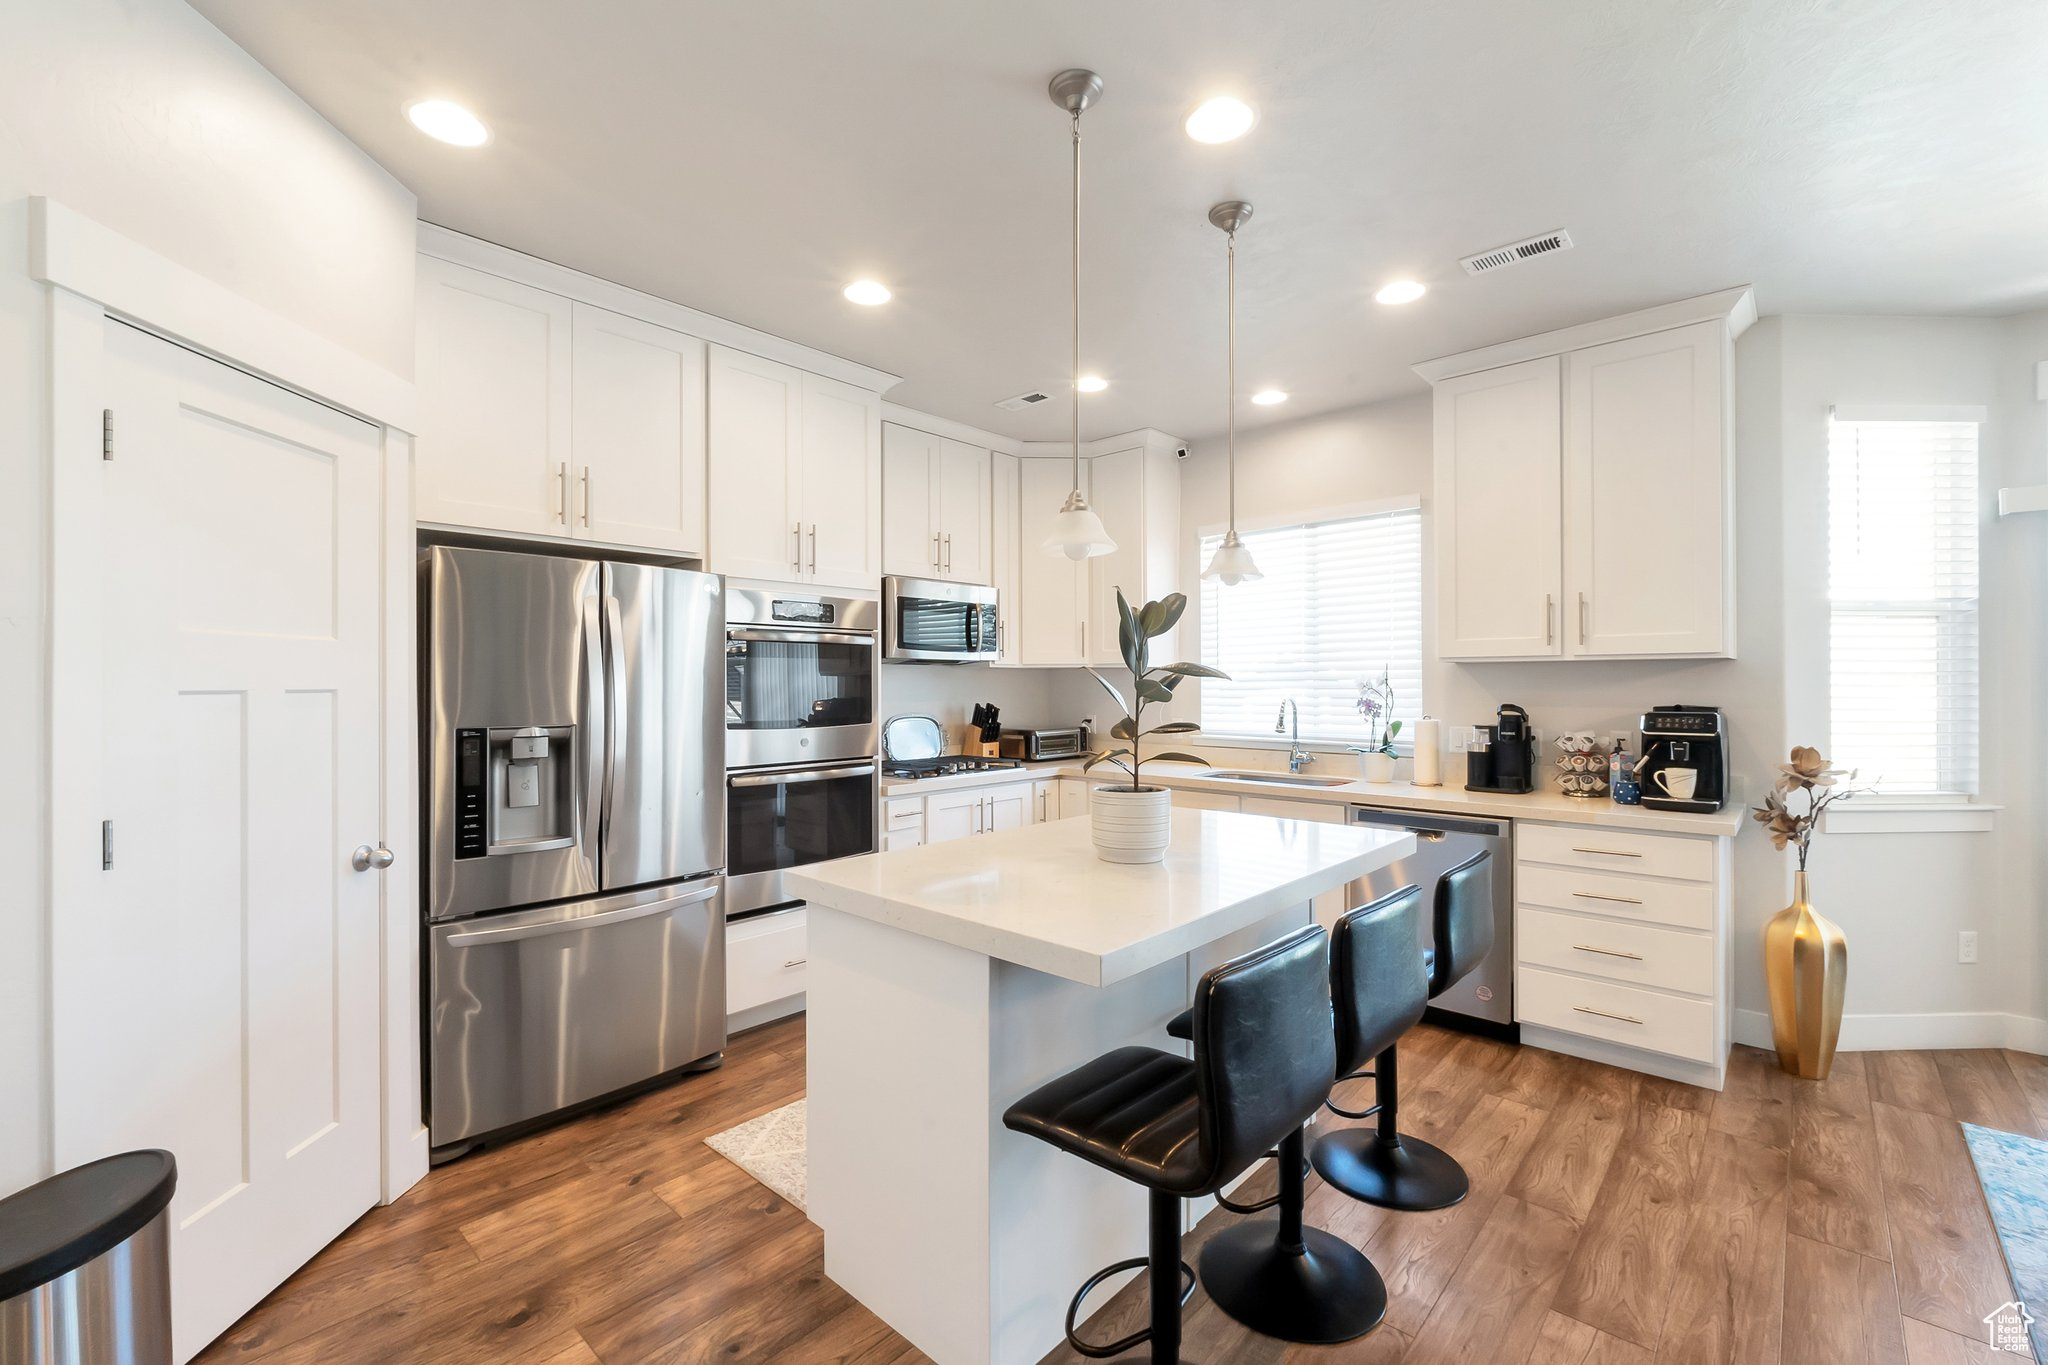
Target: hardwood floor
x,y
1614,1219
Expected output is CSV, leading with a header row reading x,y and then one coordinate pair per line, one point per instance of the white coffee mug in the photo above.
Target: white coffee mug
x,y
1677,783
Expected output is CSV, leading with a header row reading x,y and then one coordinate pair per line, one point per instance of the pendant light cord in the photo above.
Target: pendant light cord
x,y
1074,375
1230,378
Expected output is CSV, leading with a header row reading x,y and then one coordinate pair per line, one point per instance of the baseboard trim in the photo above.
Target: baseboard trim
x,y
1914,1032
1701,1074
764,1014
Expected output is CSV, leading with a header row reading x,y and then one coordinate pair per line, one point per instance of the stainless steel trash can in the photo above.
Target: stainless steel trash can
x,y
85,1265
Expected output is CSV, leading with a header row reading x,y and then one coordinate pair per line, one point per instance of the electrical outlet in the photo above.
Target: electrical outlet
x,y
1966,946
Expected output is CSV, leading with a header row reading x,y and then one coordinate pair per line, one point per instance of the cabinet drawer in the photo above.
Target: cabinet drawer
x,y
764,958
1669,1024
1634,954
1687,905
1189,798
1321,812
1613,850
904,814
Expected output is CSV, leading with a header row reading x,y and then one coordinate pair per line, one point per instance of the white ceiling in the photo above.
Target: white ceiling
x,y
749,159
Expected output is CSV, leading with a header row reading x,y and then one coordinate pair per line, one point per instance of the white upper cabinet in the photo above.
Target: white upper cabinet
x,y
1499,457
494,403
1645,429
1048,627
935,506
756,411
1136,492
638,422
1582,505
796,474
1002,540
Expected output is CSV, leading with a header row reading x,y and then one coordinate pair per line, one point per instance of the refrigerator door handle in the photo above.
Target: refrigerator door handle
x,y
574,923
596,746
615,707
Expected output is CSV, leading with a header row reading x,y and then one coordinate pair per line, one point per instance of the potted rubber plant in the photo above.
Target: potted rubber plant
x,y
1132,823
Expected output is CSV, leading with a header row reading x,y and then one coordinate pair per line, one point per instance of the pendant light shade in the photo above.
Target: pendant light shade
x,y
1077,533
1232,563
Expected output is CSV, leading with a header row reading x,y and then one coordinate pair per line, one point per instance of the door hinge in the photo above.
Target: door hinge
x,y
106,433
106,845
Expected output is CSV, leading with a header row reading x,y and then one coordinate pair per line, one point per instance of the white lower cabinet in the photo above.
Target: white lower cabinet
x,y
902,823
1621,947
1045,800
1317,812
1188,798
764,961
1074,796
981,810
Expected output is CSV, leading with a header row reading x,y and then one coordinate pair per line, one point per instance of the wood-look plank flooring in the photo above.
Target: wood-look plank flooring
x,y
1614,1219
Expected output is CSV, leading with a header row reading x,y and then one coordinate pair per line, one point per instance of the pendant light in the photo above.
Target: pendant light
x,y
1232,563
1077,532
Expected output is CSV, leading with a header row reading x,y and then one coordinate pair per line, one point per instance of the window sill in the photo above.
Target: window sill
x,y
1872,815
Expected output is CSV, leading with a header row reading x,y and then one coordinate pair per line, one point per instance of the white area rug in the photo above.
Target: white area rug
x,y
770,1148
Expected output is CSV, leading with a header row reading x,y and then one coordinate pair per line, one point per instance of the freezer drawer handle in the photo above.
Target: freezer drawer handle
x,y
563,926
1604,1014
1609,852
1596,896
1608,952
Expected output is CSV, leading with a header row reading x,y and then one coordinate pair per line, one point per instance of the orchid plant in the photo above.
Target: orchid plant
x,y
1376,705
1136,631
1808,772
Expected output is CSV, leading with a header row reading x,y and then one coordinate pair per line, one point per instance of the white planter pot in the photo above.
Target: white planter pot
x,y
1378,767
1131,827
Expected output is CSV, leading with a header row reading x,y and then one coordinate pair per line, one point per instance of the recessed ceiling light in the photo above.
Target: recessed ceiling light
x,y
867,292
1221,119
448,122
1266,398
1091,383
1400,291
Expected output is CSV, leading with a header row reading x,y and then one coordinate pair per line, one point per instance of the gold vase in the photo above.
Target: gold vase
x,y
1806,960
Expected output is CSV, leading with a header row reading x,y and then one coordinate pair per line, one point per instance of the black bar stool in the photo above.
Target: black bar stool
x,y
1264,1056
1381,1165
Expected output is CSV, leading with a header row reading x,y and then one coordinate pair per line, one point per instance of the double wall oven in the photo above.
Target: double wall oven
x,y
800,738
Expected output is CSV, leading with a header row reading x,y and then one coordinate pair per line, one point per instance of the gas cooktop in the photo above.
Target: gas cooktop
x,y
946,765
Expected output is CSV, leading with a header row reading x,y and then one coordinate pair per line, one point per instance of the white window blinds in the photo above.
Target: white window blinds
x,y
1340,601
1902,593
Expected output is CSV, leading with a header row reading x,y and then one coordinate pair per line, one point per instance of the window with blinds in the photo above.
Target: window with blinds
x,y
1341,601
1902,596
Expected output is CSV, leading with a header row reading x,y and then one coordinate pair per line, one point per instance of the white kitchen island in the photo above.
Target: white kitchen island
x,y
947,981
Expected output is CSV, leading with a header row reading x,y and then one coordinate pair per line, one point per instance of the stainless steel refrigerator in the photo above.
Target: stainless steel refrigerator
x,y
573,765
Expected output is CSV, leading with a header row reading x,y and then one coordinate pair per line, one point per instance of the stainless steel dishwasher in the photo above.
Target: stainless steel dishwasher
x,y
1484,1002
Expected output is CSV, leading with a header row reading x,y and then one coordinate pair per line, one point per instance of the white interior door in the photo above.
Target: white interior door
x,y
638,417
220,998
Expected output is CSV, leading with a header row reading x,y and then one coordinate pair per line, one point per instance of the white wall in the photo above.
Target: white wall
x,y
1901,897
139,114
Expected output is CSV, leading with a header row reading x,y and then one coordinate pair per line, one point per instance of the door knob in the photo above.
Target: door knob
x,y
365,858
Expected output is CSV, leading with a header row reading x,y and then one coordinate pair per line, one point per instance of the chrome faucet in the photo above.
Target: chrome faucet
x,y
1297,757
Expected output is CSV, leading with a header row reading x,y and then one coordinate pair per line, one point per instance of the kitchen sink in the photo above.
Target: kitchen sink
x,y
1285,779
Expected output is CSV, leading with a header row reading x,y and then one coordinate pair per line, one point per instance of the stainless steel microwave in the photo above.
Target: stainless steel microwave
x,y
925,620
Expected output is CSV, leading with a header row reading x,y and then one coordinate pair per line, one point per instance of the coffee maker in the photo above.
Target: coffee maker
x,y
1503,757
1685,759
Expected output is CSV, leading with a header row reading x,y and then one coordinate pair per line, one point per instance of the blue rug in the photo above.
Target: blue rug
x,y
2014,1173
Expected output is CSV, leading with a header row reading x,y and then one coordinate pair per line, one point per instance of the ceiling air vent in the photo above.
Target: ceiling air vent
x,y
1023,401
1502,257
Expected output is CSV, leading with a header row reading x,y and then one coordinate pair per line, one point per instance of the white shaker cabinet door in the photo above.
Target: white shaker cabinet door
x,y
1011,806
755,414
960,512
1003,475
1646,536
910,541
1049,629
1116,492
953,815
493,373
837,484
639,433
1499,450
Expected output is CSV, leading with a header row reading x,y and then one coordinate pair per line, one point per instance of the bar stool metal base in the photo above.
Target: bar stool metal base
x,y
1326,1292
1406,1174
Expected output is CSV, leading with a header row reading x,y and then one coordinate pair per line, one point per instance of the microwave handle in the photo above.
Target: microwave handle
x,y
973,629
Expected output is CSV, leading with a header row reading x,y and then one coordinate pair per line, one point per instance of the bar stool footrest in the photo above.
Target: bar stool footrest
x,y
1138,1338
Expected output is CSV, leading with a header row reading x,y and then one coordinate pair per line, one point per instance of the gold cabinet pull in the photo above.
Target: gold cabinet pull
x,y
1596,896
1605,1014
1608,852
1608,952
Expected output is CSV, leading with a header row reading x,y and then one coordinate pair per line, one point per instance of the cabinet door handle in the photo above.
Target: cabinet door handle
x,y
935,549
1582,618
814,547
1549,615
586,495
1604,1014
1608,852
1596,896
1608,952
562,493
797,561
795,962
949,552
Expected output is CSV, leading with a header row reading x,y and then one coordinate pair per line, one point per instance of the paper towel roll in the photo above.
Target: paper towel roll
x,y
1429,754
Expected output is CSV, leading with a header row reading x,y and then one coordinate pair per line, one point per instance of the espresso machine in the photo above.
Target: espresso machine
x,y
1685,759
1502,756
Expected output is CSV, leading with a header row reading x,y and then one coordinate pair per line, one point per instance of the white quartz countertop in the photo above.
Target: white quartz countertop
x,y
1039,897
1545,803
